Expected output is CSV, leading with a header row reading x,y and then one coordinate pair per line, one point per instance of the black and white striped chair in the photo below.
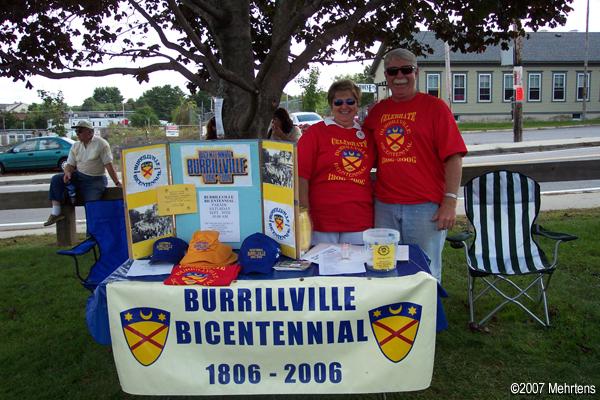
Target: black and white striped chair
x,y
502,207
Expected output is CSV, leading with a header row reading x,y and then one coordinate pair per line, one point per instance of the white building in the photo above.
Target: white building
x,y
98,119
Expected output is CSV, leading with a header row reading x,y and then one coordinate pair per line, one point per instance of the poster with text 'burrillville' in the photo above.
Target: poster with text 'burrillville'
x,y
279,177
226,175
145,169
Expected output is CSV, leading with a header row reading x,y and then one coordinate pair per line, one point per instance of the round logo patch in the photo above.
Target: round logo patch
x,y
147,170
279,224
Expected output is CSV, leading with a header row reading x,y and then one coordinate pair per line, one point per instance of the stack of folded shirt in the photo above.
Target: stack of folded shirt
x,y
207,262
203,275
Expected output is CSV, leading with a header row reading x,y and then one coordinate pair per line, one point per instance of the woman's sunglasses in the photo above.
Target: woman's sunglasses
x,y
339,102
405,69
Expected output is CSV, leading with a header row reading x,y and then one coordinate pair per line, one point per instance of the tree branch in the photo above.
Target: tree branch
x,y
77,73
215,69
330,34
161,34
284,27
204,9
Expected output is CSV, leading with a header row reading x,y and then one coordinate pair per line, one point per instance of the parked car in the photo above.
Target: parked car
x,y
37,153
305,119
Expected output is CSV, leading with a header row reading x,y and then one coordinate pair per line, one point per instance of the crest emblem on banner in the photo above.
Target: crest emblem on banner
x,y
351,160
394,137
395,327
146,330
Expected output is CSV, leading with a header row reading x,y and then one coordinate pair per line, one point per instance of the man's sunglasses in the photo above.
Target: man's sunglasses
x,y
405,69
339,102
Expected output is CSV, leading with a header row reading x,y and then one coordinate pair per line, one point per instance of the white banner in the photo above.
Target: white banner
x,y
310,335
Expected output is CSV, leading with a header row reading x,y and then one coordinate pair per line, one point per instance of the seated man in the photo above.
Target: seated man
x,y
88,159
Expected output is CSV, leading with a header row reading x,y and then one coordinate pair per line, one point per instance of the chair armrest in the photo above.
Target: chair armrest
x,y
458,240
539,230
80,248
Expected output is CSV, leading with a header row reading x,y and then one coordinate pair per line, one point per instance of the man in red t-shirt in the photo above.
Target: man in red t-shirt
x,y
419,163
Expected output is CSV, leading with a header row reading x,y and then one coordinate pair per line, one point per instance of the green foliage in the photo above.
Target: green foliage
x,y
47,352
203,101
108,95
52,108
186,114
162,99
143,117
360,77
91,104
9,121
312,96
242,51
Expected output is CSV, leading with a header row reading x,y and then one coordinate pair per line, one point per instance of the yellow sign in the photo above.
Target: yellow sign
x,y
384,256
176,199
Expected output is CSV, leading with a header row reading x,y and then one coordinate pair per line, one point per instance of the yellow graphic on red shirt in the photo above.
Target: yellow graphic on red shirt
x,y
194,278
394,137
351,159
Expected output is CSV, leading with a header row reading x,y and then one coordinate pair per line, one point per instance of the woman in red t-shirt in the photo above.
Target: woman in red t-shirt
x,y
335,159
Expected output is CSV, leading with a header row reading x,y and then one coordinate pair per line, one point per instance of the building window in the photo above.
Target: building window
x,y
459,88
558,86
534,91
580,86
507,88
485,88
433,84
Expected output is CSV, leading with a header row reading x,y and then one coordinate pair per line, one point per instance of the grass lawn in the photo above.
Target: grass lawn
x,y
46,352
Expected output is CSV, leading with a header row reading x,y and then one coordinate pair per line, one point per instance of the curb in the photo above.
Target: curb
x,y
491,149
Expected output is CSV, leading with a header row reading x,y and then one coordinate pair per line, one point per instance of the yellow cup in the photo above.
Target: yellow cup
x,y
380,247
384,256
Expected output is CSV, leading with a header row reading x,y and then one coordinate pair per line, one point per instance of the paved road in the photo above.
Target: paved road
x,y
506,136
580,194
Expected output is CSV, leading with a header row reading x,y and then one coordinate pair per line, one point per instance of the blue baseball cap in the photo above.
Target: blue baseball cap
x,y
258,253
168,250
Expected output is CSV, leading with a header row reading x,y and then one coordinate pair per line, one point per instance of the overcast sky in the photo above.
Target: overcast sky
x,y
75,90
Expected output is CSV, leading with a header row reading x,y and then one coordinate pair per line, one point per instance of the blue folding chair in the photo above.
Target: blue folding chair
x,y
502,207
106,233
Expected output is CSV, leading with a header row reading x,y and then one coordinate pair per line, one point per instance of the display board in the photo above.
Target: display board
x,y
226,175
280,190
144,169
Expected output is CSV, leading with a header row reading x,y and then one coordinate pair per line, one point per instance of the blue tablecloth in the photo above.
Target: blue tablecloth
x,y
97,308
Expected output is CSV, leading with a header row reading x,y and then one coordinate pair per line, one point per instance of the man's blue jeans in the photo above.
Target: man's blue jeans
x,y
413,221
87,187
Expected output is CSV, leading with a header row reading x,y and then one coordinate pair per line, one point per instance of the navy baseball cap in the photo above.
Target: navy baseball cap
x,y
258,253
168,250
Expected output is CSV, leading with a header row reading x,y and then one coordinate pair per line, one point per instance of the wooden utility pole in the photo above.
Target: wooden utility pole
x,y
448,75
585,63
518,90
